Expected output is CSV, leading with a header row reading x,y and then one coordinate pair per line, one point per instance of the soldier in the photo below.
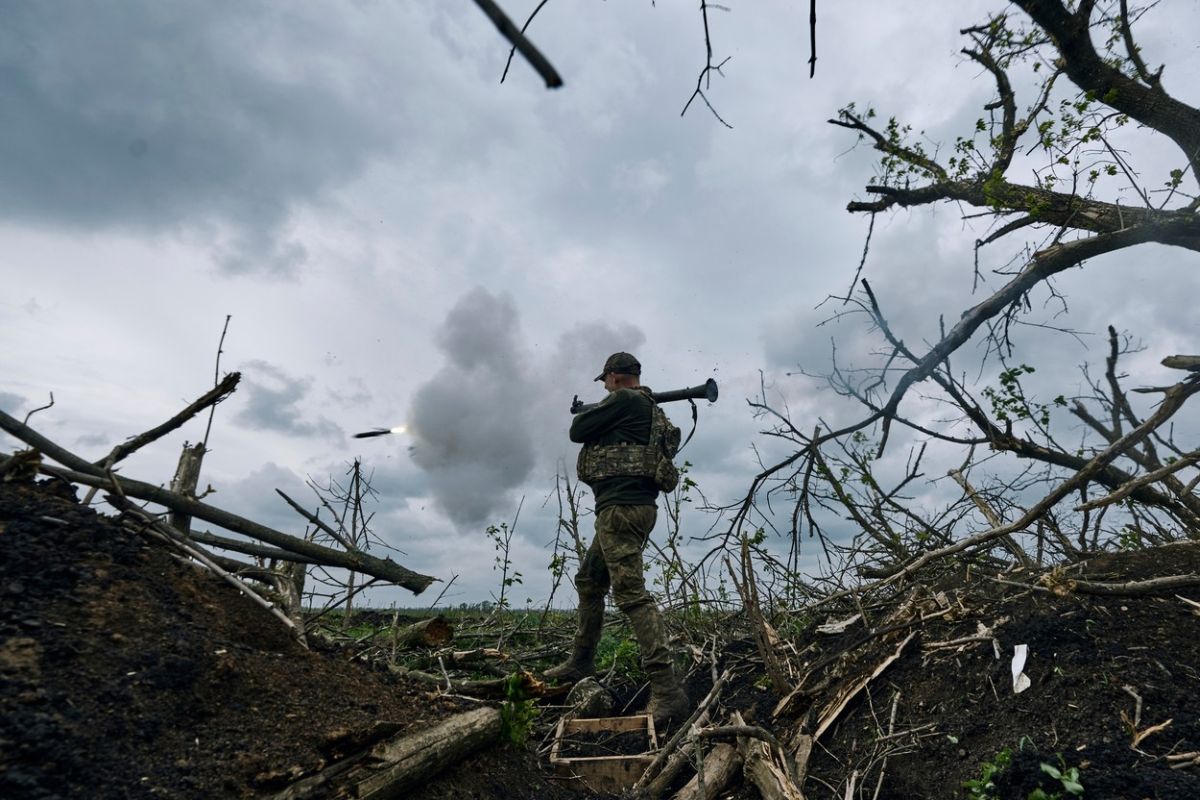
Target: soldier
x,y
620,438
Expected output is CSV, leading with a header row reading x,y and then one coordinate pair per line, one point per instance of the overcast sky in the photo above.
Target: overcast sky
x,y
402,239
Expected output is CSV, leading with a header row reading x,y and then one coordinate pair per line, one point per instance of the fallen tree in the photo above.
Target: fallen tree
x,y
393,767
79,470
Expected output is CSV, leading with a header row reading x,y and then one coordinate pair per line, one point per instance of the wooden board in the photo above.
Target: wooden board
x,y
603,773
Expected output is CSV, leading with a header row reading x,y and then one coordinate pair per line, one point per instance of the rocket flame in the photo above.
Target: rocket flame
x,y
381,432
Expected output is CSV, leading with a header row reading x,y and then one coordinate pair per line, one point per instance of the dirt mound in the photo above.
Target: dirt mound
x,y
1113,684
125,672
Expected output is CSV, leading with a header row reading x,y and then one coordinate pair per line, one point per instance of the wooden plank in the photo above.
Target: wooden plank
x,y
604,773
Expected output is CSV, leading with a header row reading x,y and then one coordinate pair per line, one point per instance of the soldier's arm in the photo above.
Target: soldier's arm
x,y
590,425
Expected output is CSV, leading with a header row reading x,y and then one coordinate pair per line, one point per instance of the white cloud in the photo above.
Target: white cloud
x,y
642,181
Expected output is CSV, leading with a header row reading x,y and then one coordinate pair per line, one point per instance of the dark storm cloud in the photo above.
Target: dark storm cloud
x,y
175,117
470,423
271,400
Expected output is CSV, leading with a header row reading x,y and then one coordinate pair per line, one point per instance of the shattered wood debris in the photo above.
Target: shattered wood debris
x,y
911,678
184,507
829,715
391,768
761,766
861,689
491,689
714,773
432,632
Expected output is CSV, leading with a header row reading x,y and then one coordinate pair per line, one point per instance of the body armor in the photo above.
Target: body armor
x,y
629,459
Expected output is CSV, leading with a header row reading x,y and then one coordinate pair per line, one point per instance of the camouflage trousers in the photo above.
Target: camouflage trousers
x,y
614,559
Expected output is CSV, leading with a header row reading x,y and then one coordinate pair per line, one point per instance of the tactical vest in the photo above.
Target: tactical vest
x,y
629,459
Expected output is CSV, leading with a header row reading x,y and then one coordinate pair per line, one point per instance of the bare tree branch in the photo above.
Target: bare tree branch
x,y
509,31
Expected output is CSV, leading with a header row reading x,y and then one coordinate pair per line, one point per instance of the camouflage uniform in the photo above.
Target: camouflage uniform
x,y
615,559
625,516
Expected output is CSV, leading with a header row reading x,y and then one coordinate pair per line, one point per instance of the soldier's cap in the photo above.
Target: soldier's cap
x,y
622,363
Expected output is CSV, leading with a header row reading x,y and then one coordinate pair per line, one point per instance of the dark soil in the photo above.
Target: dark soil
x,y
126,673
595,744
1090,658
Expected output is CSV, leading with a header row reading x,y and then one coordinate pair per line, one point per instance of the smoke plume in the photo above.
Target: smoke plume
x,y
494,412
469,426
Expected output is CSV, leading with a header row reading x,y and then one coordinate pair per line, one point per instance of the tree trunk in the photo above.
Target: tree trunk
x,y
675,763
409,760
721,764
760,769
432,632
289,583
187,477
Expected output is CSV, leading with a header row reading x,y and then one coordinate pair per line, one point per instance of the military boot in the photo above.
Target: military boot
x,y
668,702
580,665
582,662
